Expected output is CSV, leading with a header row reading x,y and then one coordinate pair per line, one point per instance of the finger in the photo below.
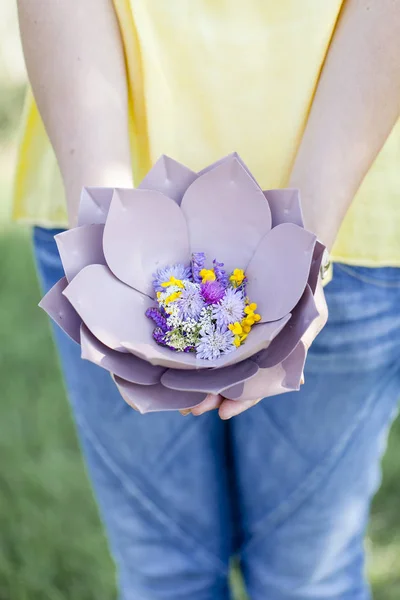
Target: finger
x,y
211,402
185,412
232,408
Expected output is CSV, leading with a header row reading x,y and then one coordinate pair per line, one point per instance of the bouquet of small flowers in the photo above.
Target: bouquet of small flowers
x,y
200,310
145,296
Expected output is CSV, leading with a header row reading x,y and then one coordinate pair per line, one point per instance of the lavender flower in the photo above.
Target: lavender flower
x,y
198,260
212,292
190,303
220,273
230,309
158,336
155,315
164,274
214,342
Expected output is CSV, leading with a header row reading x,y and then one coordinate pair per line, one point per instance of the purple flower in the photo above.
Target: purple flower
x,y
214,342
190,303
155,315
198,260
220,273
212,292
230,309
158,336
164,274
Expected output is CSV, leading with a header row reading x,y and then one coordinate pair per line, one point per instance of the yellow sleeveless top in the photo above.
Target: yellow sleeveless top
x,y
208,77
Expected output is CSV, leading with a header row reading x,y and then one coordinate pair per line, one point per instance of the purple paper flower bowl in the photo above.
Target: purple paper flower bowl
x,y
125,235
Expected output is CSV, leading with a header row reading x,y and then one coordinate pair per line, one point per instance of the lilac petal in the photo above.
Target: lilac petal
x,y
281,347
169,177
284,377
80,247
225,159
285,206
156,398
316,265
212,381
115,314
127,366
227,214
94,205
278,272
111,310
145,230
61,311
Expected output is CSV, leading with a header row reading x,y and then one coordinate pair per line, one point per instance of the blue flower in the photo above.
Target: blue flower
x,y
190,303
198,260
230,309
164,274
214,343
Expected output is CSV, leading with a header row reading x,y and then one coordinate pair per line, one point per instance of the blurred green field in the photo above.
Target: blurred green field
x,y
52,545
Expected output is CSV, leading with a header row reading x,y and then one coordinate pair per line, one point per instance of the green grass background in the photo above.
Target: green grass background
x,y
52,546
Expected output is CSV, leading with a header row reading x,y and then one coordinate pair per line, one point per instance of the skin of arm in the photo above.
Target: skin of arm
x,y
356,105
74,57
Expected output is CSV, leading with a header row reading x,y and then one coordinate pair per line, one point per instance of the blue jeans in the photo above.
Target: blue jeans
x,y
285,486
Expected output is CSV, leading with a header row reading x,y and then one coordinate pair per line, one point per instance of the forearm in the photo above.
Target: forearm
x,y
74,57
357,102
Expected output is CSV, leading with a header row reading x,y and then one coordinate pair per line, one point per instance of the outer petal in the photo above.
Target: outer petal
x,y
227,214
169,177
225,159
94,205
127,366
281,378
61,311
145,230
282,346
285,206
80,247
278,272
315,265
211,381
157,397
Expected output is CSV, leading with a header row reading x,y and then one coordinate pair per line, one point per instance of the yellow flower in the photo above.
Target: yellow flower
x,y
173,281
236,341
246,328
207,275
236,328
173,297
237,277
243,337
249,320
257,317
250,308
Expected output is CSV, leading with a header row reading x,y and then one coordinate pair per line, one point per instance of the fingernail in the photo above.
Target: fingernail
x,y
185,412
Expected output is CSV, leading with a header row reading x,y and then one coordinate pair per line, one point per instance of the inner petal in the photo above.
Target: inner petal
x,y
144,231
227,214
278,272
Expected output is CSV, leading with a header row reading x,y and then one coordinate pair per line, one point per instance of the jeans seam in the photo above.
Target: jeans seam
x,y
311,483
149,505
365,279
